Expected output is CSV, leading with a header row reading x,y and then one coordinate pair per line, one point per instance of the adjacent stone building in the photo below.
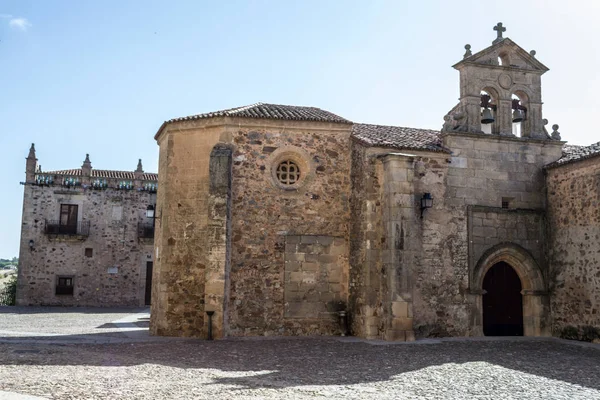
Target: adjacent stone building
x,y
573,186
86,239
289,220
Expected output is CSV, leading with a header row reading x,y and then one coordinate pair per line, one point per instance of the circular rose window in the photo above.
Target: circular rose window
x,y
288,173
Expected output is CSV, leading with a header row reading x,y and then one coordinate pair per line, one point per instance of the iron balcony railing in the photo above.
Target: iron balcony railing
x,y
145,230
81,228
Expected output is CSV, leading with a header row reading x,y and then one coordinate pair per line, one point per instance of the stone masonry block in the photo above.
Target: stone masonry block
x,y
461,172
293,266
292,239
490,222
400,308
309,266
294,257
290,248
392,335
308,277
339,241
484,231
402,324
296,276
311,257
328,258
308,239
325,240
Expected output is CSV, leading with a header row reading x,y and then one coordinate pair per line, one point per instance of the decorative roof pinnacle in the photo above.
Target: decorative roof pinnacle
x,y
468,52
87,164
32,151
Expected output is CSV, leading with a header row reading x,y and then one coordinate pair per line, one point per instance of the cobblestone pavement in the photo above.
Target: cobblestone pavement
x,y
74,324
298,368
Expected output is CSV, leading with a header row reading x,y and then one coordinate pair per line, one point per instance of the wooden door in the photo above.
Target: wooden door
x,y
149,265
502,302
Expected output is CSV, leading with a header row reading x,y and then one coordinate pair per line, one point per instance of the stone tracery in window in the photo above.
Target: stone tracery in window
x,y
288,172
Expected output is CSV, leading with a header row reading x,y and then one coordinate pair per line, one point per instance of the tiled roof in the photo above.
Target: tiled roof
x,y
572,153
271,111
103,173
398,137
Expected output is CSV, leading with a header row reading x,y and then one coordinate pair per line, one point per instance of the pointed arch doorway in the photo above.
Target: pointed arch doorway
x,y
535,307
502,301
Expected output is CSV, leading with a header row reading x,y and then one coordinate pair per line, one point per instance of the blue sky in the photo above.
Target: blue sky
x,y
100,77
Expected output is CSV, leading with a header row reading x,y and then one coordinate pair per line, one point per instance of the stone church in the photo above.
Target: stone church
x,y
288,220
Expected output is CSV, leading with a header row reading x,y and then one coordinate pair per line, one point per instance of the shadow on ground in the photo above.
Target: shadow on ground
x,y
282,362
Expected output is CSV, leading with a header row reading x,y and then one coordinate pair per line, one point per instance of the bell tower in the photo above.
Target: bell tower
x,y
500,91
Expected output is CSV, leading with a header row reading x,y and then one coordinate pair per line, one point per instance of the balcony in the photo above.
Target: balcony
x,y
145,230
80,230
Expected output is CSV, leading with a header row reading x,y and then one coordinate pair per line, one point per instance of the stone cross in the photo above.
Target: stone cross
x,y
499,29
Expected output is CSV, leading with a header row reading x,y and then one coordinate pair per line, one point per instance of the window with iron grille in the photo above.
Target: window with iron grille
x,y
64,285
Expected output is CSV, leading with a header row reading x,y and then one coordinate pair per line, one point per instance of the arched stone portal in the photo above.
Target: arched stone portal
x,y
533,288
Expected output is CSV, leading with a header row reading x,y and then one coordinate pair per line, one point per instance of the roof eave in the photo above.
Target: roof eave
x,y
557,164
159,131
367,144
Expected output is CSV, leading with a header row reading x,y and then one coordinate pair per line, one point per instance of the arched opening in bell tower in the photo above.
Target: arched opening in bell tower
x,y
519,113
489,101
503,59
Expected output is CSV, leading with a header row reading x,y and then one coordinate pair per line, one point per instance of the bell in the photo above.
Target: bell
x,y
487,117
518,115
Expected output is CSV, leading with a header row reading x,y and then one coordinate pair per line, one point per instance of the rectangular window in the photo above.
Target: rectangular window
x,y
89,252
64,285
68,219
506,202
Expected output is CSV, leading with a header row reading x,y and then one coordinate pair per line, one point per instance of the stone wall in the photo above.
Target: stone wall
x,y
262,214
315,284
407,276
365,241
265,215
108,266
492,226
473,180
181,240
574,249
482,171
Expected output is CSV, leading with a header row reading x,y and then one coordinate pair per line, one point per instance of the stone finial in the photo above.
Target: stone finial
x,y
468,52
532,53
31,151
87,163
544,123
139,173
555,133
86,168
499,29
30,165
